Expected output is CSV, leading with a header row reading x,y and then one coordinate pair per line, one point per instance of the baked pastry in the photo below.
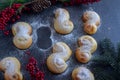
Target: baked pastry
x,y
87,45
22,35
83,56
82,73
62,24
11,68
91,22
56,61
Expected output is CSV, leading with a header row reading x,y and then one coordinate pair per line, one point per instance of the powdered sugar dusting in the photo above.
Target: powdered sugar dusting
x,y
83,74
10,67
36,26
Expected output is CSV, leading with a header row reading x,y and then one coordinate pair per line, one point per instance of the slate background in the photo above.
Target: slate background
x,y
44,35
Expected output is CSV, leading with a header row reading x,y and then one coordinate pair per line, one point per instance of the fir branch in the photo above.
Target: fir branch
x,y
3,5
107,48
104,59
108,57
11,2
105,74
118,52
7,3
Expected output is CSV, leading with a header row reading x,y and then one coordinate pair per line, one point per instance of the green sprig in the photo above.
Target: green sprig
x,y
8,3
106,66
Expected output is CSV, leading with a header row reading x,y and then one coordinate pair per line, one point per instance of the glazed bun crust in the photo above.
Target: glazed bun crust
x,y
22,35
56,62
83,57
22,42
87,46
62,22
82,73
11,68
91,22
90,39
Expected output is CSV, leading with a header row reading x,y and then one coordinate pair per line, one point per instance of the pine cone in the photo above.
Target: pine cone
x,y
39,5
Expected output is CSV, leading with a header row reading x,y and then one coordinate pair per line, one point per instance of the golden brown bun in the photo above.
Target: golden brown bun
x,y
90,39
62,24
82,73
11,68
22,42
22,35
56,62
88,45
83,57
91,22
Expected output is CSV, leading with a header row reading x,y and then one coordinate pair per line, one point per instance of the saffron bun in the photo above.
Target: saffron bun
x,y
56,62
62,22
88,41
91,21
87,46
83,56
22,35
82,73
11,68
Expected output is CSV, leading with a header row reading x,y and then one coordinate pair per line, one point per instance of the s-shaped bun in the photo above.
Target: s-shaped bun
x,y
62,23
87,45
91,22
56,62
11,68
22,35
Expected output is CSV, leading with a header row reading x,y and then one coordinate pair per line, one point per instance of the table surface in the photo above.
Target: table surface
x,y
44,36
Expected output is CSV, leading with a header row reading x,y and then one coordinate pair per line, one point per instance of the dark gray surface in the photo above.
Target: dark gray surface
x,y
109,12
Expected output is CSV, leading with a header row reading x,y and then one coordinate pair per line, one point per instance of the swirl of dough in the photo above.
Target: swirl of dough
x,y
88,42
22,38
87,46
83,56
62,24
82,73
56,62
11,68
91,22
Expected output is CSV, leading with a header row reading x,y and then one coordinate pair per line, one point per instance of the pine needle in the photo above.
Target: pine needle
x,y
108,61
7,3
